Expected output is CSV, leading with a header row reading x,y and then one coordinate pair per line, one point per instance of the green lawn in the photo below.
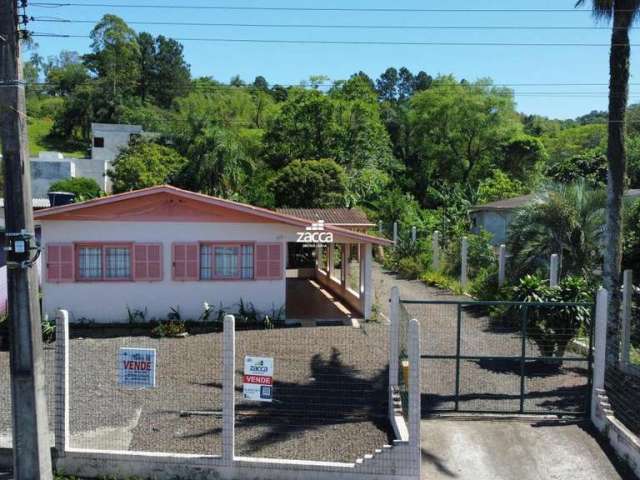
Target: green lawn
x,y
40,140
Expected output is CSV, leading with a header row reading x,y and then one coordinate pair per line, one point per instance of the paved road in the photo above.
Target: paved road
x,y
514,450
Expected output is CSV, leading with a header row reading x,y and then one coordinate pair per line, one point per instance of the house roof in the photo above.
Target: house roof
x,y
204,202
352,217
521,201
508,204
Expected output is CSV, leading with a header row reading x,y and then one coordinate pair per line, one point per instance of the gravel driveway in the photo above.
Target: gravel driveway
x,y
330,399
487,384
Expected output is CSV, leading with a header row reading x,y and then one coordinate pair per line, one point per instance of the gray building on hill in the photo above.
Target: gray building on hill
x,y
495,217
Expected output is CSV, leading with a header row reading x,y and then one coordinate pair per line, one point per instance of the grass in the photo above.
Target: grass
x,y
440,280
41,140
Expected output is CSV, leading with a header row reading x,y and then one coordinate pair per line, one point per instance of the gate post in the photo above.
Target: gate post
x,y
627,298
62,383
600,347
435,250
502,263
464,269
394,337
553,271
414,394
228,390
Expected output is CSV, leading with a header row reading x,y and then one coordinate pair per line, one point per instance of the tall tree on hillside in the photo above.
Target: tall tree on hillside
x,y
623,13
115,56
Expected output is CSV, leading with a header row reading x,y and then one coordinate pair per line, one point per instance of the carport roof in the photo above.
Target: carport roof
x,y
152,204
353,217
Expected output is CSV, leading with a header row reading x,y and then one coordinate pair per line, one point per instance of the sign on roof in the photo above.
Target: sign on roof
x,y
257,383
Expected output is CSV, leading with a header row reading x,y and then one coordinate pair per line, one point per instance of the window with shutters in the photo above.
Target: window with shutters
x,y
103,262
226,262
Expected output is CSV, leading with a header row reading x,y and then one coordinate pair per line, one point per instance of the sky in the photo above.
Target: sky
x,y
523,68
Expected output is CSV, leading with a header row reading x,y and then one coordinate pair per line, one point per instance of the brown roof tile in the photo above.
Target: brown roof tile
x,y
331,216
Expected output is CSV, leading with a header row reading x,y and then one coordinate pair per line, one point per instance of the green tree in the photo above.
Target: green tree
x,y
457,130
623,13
310,184
83,188
143,165
565,219
218,163
499,187
344,125
115,56
65,73
170,75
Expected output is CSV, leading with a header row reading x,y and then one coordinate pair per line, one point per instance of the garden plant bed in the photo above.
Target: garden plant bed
x,y
329,394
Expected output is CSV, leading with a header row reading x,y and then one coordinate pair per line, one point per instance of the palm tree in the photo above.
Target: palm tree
x,y
623,13
564,219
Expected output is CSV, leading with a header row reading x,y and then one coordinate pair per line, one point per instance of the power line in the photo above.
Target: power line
x,y
363,42
312,9
330,26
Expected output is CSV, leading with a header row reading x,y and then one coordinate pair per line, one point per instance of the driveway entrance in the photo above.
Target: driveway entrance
x,y
464,449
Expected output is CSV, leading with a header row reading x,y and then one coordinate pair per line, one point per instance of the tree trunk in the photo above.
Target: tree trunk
x,y
616,155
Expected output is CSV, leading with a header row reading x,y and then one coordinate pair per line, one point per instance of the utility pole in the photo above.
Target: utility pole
x,y
31,448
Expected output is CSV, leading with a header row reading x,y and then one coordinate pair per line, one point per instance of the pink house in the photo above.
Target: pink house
x,y
163,247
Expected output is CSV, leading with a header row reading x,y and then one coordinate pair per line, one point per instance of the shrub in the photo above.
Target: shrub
x,y
484,286
169,328
552,327
410,268
83,188
440,280
48,330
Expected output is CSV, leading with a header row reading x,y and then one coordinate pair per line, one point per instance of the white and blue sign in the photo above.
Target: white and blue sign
x,y
257,382
137,367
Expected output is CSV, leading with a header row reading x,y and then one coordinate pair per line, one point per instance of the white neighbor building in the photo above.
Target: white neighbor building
x,y
163,247
107,140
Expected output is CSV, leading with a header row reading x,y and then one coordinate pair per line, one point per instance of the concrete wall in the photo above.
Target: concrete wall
x,y
496,223
108,301
48,168
92,168
116,137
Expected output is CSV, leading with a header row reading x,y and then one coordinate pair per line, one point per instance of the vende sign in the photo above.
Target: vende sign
x,y
257,382
137,367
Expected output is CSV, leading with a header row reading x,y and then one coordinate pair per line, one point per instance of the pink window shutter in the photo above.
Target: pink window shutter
x,y
147,262
186,263
268,261
275,261
60,263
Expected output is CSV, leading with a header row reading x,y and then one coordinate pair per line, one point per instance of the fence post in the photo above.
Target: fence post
x,y
414,394
600,349
228,390
394,337
395,233
502,263
553,271
414,234
464,269
435,250
62,383
380,227
627,297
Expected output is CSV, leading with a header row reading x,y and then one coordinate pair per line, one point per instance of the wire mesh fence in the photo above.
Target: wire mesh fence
x,y
505,357
6,440
622,381
180,414
329,397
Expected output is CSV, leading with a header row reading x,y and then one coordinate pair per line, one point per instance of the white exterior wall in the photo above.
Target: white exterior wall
x,y
106,302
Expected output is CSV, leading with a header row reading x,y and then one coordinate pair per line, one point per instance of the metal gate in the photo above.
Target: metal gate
x,y
505,357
